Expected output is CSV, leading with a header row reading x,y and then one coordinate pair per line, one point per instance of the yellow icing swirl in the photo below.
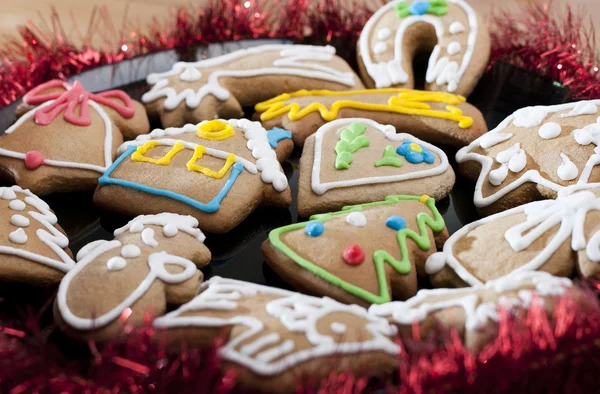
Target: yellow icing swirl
x,y
404,101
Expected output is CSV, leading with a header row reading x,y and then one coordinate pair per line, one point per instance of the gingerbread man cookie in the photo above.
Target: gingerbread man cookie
x,y
218,171
363,254
221,86
276,339
435,117
555,236
34,248
533,154
151,262
67,137
474,312
451,30
356,160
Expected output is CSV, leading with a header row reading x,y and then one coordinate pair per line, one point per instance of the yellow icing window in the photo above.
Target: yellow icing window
x,y
198,153
138,155
215,130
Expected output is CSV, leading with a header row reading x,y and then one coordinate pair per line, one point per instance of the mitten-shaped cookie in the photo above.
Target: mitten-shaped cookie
x,y
66,137
33,247
276,339
218,171
151,262
219,87
363,254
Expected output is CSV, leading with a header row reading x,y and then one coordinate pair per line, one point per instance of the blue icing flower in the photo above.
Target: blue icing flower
x,y
396,222
419,7
415,153
314,229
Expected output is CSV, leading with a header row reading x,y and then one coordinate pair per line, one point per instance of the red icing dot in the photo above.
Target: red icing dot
x,y
33,159
354,254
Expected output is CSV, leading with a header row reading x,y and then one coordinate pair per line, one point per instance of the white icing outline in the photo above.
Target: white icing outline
x,y
465,154
297,312
294,60
187,224
390,133
387,74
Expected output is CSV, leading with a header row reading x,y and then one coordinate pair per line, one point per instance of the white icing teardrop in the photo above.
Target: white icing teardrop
x,y
593,248
518,161
435,263
587,135
170,230
17,205
338,328
549,130
384,33
567,171
130,251
19,220
148,237
530,116
116,263
380,48
356,219
454,48
507,154
490,139
190,74
18,236
582,108
456,27
498,175
8,194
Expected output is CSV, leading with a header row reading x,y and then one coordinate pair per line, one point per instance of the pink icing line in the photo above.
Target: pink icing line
x,y
73,96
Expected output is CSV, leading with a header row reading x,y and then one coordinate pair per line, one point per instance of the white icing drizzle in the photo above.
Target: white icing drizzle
x,y
17,205
587,135
356,219
190,74
386,74
490,139
116,263
187,224
478,314
549,130
582,108
380,47
148,237
454,48
89,247
19,220
390,133
130,251
295,60
569,211
567,171
384,33
263,352
456,27
48,234
530,116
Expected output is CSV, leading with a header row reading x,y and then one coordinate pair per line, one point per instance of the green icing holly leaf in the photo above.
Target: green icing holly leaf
x,y
351,140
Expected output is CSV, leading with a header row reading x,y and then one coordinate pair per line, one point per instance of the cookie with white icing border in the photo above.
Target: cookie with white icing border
x,y
363,254
532,154
33,247
559,236
276,339
356,160
66,137
435,117
151,262
218,171
475,312
220,87
451,30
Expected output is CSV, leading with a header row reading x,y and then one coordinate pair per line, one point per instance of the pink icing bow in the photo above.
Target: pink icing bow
x,y
68,100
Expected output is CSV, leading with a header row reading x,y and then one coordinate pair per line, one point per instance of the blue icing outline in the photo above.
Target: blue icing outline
x,y
276,134
210,207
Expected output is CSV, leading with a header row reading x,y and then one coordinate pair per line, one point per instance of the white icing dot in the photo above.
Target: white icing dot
x,y
582,108
549,130
356,219
384,33
456,27
490,139
435,263
8,194
19,220
190,74
148,237
567,171
498,175
338,328
530,116
17,205
116,263
379,48
130,251
170,230
18,236
454,48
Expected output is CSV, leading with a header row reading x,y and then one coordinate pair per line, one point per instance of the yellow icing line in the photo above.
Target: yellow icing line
x,y
141,150
407,102
198,153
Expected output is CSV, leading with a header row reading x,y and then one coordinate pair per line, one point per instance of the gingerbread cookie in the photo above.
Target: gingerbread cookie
x,y
533,154
276,339
474,312
354,161
218,171
151,263
34,248
67,137
451,30
363,254
436,117
555,236
221,86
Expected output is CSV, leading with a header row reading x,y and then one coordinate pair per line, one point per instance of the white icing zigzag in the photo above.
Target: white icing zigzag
x,y
268,354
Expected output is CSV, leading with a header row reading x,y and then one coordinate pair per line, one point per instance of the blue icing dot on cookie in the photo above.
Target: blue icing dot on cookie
x,y
276,134
419,7
314,229
396,223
